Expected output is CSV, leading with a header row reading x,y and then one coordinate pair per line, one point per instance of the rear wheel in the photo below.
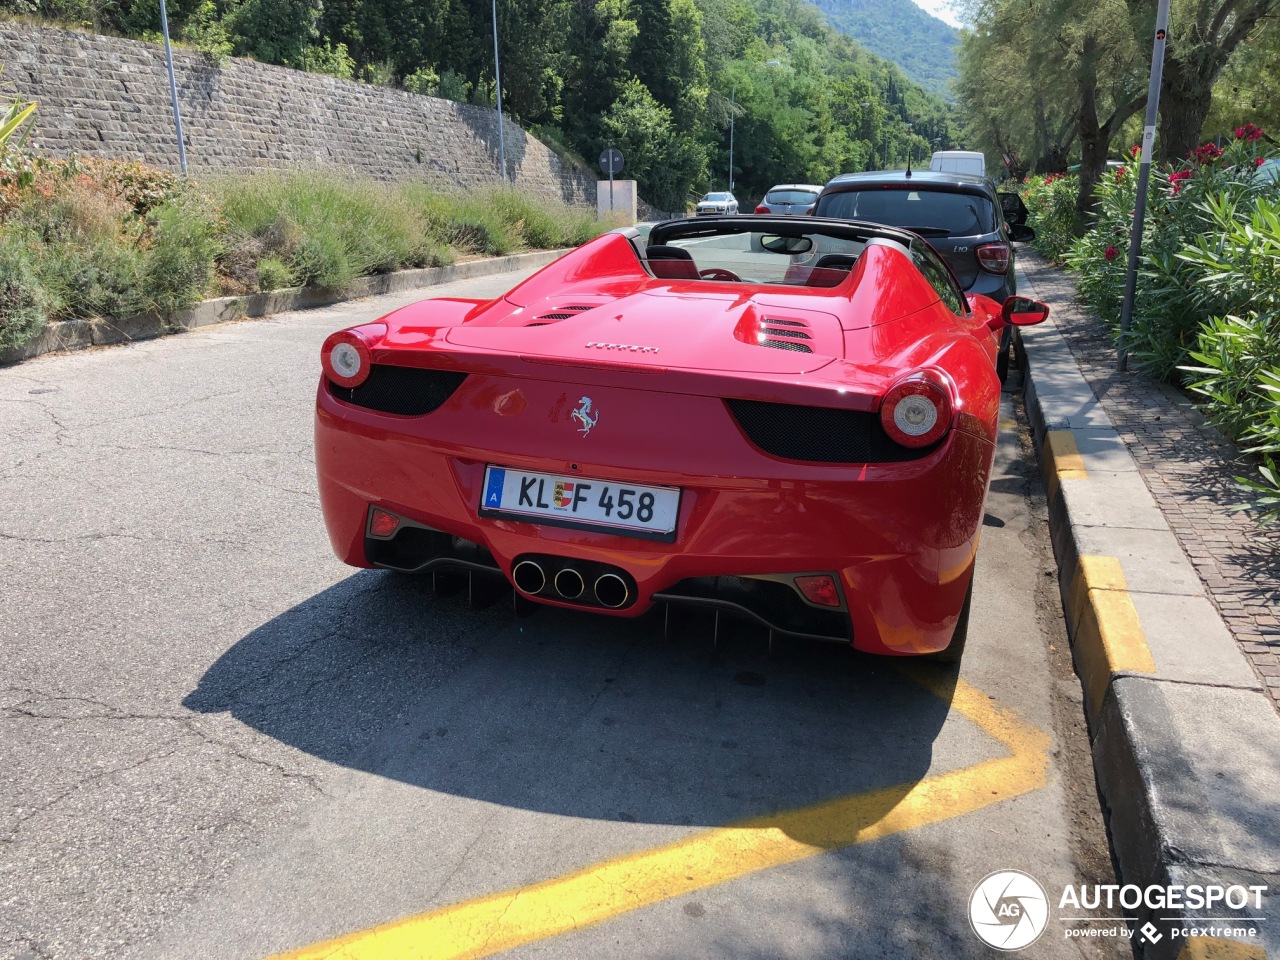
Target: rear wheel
x,y
1002,359
953,651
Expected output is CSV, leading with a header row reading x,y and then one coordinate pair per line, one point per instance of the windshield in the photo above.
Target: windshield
x,y
959,214
790,196
716,197
809,260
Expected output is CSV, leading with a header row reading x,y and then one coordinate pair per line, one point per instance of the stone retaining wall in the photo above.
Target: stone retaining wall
x,y
103,96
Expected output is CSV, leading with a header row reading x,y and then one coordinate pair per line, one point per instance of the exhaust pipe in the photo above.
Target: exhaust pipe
x,y
612,591
569,583
529,576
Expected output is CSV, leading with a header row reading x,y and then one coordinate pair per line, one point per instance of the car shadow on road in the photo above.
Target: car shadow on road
x,y
581,715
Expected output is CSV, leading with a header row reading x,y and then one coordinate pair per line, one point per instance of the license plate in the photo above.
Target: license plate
x,y
605,505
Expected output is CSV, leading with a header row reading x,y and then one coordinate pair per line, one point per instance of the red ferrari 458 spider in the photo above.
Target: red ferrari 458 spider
x,y
794,420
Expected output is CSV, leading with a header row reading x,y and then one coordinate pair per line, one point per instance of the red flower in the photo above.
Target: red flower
x,y
1111,253
1120,172
1136,150
1249,133
1176,180
1206,153
1258,161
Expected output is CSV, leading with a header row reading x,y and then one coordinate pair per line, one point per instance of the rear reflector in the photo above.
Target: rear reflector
x,y
382,524
994,257
819,590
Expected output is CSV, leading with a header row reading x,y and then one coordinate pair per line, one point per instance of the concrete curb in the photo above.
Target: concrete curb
x,y
1186,744
79,334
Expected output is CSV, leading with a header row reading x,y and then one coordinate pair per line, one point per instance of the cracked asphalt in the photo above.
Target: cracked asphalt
x,y
218,742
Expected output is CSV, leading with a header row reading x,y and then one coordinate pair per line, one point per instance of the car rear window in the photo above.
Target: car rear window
x,y
960,214
789,196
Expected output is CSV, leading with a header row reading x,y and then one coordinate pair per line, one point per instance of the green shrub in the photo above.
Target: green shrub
x,y
326,229
274,274
24,303
1191,211
1051,203
179,262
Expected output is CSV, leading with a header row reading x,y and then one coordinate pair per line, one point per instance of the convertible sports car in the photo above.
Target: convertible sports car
x,y
793,419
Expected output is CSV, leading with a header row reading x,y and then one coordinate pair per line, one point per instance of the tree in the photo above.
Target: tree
x,y
665,161
1202,38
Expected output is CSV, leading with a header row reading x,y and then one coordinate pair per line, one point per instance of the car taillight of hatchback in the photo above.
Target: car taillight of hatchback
x,y
994,257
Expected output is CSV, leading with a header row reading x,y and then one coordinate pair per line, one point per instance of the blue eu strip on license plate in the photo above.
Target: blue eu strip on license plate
x,y
606,505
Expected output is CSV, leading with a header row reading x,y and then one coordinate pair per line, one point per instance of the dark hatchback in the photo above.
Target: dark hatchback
x,y
961,216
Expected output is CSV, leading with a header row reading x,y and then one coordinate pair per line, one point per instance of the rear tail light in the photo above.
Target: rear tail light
x,y
382,524
346,358
916,412
762,209
820,590
809,212
994,257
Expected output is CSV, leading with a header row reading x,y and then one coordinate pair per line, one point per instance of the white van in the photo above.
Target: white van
x,y
959,161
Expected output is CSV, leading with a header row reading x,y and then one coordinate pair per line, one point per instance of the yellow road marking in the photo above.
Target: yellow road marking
x,y
1060,460
1216,948
502,921
1105,631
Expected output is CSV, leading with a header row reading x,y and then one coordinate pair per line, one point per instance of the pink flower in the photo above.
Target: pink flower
x,y
1111,253
1248,133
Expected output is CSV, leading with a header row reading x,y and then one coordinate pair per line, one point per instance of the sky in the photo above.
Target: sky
x,y
942,9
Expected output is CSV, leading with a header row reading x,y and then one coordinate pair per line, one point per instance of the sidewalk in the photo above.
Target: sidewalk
x,y
1189,470
1170,601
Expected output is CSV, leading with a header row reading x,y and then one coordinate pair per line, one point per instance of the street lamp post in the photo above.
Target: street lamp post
x,y
732,93
173,89
497,84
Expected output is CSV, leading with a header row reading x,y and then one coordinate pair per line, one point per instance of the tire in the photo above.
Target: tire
x,y
953,651
1002,359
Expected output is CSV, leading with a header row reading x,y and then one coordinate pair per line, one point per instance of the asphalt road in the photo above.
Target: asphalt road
x,y
218,742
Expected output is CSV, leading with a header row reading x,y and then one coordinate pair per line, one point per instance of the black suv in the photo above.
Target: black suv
x,y
961,216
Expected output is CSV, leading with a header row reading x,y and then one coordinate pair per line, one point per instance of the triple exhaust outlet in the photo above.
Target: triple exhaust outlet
x,y
568,583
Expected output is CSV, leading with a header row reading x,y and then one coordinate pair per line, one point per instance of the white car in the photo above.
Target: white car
x,y
717,203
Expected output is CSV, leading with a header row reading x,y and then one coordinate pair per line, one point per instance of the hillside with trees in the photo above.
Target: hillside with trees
x,y
659,79
904,34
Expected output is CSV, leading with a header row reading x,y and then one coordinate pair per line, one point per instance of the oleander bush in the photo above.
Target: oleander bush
x,y
1051,205
1207,305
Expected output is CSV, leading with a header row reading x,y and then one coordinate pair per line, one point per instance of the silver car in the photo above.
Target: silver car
x,y
718,203
795,199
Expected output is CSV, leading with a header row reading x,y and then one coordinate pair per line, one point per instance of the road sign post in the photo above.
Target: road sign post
x,y
611,163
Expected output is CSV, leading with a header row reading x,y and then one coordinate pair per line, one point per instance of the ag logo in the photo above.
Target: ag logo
x,y
1008,910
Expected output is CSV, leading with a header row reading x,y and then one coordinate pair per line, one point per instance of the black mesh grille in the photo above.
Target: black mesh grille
x,y
818,434
407,391
784,335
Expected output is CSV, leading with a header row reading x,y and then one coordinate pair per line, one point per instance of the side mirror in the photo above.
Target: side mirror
x,y
1023,311
1019,232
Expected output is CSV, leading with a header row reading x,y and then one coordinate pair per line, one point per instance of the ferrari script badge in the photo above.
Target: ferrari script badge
x,y
584,417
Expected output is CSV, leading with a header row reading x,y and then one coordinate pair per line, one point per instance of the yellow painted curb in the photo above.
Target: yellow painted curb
x,y
1216,948
1060,460
503,921
1104,627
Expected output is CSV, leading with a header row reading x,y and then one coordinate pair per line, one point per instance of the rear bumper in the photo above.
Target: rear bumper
x,y
899,537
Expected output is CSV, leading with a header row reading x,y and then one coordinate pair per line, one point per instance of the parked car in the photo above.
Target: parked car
x,y
793,198
717,203
960,215
959,161
681,420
